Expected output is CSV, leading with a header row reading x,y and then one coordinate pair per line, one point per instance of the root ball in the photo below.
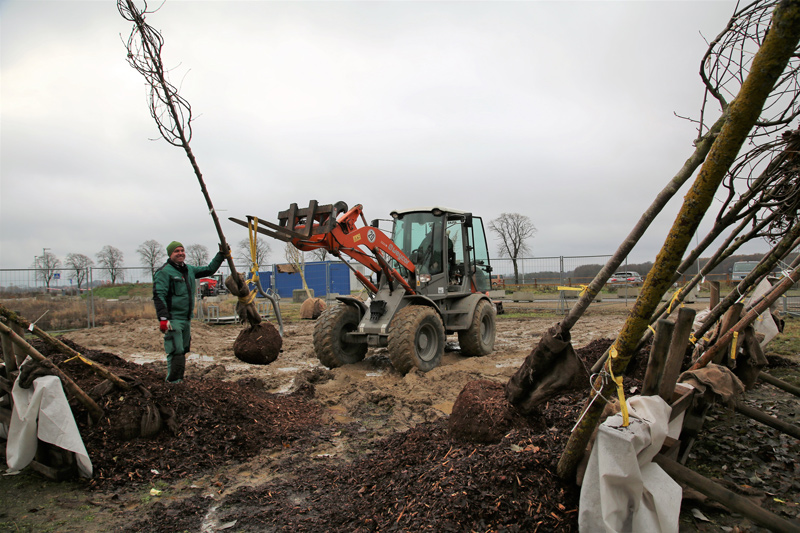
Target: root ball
x,y
258,345
482,414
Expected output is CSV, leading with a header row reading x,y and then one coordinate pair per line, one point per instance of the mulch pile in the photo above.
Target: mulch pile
x,y
214,422
421,479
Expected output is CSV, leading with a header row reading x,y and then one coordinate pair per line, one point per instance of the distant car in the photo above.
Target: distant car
x,y
498,282
741,269
625,278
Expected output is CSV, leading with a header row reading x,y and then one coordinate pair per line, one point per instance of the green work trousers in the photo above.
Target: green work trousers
x,y
176,343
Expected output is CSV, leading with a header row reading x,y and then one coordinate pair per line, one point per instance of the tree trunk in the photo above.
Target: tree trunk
x,y
768,64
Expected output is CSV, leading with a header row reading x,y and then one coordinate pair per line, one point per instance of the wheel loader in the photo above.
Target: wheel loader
x,y
428,280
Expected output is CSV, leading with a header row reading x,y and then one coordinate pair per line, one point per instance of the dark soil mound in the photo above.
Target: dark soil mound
x,y
207,422
481,413
258,345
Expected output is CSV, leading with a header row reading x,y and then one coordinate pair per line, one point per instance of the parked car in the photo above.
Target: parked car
x,y
741,269
498,282
625,278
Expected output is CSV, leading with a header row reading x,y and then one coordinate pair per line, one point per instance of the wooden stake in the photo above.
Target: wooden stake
x,y
94,410
677,351
713,299
8,353
658,357
768,420
729,499
772,380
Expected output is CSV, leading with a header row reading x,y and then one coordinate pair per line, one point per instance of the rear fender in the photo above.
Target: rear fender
x,y
465,309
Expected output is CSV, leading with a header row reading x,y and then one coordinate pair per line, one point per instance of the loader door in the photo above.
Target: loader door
x,y
479,256
419,236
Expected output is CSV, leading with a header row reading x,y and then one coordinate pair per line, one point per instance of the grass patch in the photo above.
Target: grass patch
x,y
130,290
788,342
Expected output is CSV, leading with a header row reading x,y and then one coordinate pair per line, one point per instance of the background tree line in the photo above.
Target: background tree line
x,y
152,254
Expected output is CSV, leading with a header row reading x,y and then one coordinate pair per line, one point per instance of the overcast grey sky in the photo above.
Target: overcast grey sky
x,y
561,111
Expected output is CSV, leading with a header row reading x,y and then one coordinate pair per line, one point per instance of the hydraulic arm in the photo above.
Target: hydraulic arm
x,y
334,228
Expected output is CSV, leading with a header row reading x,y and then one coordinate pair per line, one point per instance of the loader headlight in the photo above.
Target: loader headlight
x,y
424,278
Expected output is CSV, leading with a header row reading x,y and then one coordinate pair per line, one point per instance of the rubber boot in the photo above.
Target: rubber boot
x,y
176,365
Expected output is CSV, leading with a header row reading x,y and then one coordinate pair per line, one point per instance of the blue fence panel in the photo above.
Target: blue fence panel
x,y
340,278
321,277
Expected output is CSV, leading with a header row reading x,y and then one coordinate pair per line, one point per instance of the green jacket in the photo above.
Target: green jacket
x,y
174,288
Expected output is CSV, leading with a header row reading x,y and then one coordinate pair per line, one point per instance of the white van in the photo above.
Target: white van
x,y
741,269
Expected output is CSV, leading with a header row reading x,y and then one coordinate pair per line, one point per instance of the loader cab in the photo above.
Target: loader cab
x,y
448,249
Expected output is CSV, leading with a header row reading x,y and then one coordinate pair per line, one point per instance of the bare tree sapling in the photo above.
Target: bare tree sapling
x,y
514,230
78,266
111,260
152,254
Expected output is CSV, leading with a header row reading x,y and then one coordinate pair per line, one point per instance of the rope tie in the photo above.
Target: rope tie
x,y
675,298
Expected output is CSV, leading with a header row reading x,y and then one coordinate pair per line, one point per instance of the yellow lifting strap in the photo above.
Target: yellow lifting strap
x,y
733,345
252,231
613,354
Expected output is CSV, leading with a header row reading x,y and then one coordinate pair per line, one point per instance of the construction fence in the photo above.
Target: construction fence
x,y
326,278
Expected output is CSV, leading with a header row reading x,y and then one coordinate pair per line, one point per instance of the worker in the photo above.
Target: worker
x,y
173,297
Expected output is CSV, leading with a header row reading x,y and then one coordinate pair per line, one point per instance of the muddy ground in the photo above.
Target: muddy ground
x,y
295,446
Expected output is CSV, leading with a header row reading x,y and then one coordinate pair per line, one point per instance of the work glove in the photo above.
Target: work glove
x,y
225,250
164,326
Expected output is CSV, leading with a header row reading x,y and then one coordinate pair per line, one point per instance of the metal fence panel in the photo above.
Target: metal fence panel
x,y
560,270
324,277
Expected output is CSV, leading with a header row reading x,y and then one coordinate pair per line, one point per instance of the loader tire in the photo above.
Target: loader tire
x,y
478,339
416,338
330,341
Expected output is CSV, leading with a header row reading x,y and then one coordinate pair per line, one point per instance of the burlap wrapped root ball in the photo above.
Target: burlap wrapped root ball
x,y
245,307
312,308
258,345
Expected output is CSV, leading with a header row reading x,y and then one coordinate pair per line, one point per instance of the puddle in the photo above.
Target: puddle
x,y
507,364
286,387
374,374
141,358
198,357
289,369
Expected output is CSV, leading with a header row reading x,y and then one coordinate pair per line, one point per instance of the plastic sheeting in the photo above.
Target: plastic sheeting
x,y
622,490
43,412
765,324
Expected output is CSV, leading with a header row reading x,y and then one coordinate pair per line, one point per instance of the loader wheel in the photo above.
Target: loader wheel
x,y
416,338
330,341
478,340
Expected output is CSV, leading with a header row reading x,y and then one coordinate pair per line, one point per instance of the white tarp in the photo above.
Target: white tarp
x,y
764,324
622,490
43,412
